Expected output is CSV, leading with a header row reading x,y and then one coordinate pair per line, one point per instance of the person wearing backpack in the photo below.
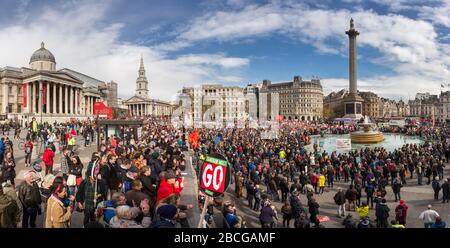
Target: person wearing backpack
x,y
47,158
351,195
436,185
28,148
339,199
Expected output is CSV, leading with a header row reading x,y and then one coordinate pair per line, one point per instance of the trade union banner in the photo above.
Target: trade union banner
x,y
24,92
343,144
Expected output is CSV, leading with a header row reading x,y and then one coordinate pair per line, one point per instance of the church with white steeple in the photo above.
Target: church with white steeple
x,y
141,104
142,82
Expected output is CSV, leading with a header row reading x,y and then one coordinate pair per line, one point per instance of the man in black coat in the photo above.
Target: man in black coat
x,y
339,199
445,191
436,185
382,214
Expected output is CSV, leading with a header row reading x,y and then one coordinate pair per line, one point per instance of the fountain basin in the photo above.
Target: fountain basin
x,y
364,137
391,142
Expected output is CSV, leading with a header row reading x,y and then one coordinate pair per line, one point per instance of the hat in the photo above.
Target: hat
x,y
402,202
155,155
134,169
167,211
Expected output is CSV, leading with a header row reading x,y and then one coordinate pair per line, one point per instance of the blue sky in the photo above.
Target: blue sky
x,y
404,46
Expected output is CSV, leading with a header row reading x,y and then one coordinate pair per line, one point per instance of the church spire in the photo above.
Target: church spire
x,y
142,64
142,82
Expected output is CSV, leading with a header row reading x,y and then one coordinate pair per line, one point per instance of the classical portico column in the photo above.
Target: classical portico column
x,y
76,101
40,105
88,105
54,98
33,100
71,94
66,100
88,110
60,110
92,105
5,97
47,98
29,97
85,105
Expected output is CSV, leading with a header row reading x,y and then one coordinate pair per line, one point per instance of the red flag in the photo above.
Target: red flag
x,y
24,90
193,139
44,94
280,118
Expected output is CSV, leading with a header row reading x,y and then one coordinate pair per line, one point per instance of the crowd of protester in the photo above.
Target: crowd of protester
x,y
135,180
279,170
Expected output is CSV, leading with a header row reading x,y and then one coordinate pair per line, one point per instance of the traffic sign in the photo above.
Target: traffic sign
x,y
215,176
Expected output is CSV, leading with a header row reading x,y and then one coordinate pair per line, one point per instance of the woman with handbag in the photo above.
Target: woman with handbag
x,y
75,174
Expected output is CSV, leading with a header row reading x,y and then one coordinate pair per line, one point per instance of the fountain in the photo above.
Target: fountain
x,y
368,135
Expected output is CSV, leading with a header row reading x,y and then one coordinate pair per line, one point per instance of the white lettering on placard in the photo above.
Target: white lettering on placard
x,y
216,184
207,176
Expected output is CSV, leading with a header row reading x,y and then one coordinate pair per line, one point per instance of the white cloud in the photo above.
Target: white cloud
x,y
81,39
407,46
77,35
439,15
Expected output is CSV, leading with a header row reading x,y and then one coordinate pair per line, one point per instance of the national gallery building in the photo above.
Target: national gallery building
x,y
41,91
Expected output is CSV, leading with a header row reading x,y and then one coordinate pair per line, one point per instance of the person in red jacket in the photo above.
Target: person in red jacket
x,y
28,148
169,185
401,211
47,158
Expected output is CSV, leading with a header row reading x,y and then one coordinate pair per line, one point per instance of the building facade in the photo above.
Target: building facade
x,y
443,115
425,105
388,108
333,104
141,104
371,106
43,92
217,103
297,99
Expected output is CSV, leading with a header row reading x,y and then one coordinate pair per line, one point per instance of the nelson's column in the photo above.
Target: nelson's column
x,y
353,102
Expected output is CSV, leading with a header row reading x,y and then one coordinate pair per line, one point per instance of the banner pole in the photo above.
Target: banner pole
x,y
202,215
